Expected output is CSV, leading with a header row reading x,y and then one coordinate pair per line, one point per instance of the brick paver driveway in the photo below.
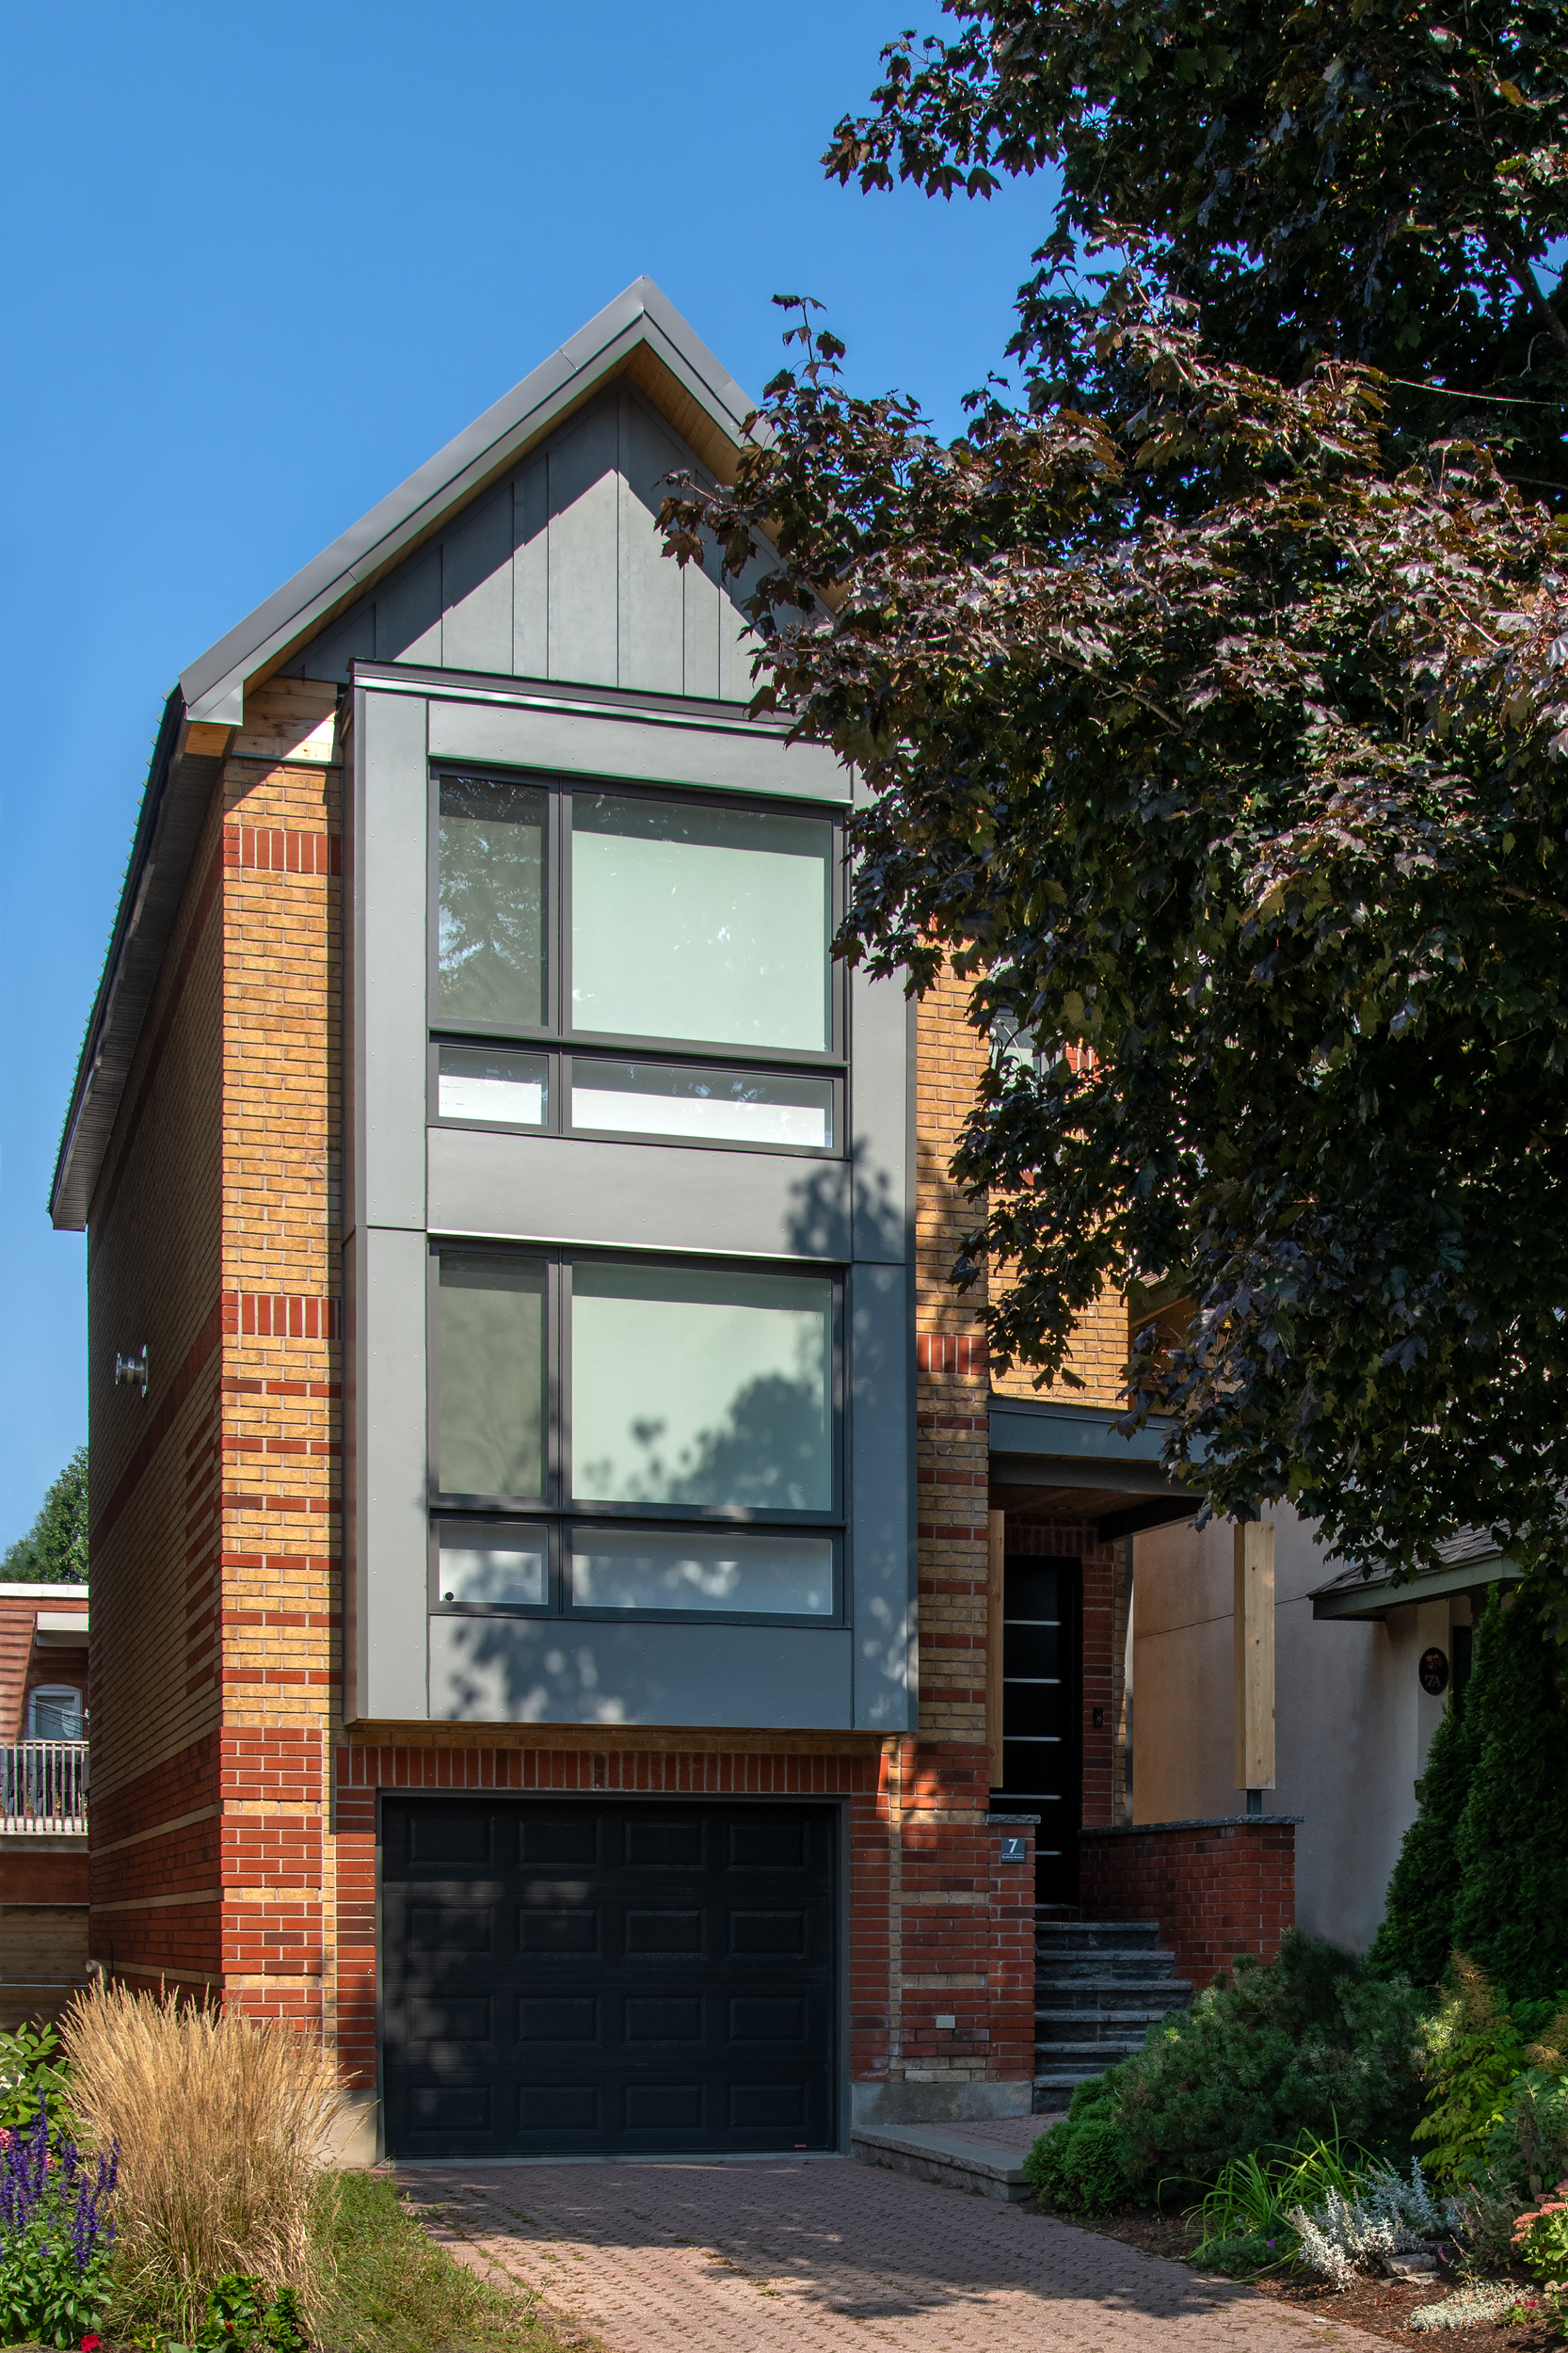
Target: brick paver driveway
x,y
776,2256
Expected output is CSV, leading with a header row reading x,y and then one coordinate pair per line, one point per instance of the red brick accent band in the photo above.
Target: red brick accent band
x,y
282,850
946,1351
282,1316
1216,1888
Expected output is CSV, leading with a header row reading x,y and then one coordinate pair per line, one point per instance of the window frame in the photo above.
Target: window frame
x,y
557,1503
57,1691
559,1060
558,1609
558,1030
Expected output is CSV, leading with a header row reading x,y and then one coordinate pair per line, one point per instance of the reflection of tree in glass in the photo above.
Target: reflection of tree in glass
x,y
769,1453
491,923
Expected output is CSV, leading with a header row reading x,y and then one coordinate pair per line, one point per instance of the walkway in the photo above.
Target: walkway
x,y
785,2256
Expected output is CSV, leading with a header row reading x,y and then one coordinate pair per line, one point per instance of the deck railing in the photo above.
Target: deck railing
x,y
43,1785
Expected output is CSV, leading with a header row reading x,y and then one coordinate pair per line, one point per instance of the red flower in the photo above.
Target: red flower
x,y
92,2344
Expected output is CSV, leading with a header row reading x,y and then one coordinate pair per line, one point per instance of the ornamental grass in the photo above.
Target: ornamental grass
x,y
224,2126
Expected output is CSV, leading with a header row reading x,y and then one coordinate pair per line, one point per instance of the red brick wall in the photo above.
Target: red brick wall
x,y
1216,1888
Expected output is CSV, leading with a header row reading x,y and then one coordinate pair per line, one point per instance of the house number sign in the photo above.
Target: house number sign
x,y
1433,1672
1012,1849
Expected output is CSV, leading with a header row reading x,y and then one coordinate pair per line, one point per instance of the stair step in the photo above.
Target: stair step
x,y
1109,1968
1094,2025
1152,1994
1092,2051
1096,1936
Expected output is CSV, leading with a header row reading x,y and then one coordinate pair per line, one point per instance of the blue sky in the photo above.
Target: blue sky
x,y
256,264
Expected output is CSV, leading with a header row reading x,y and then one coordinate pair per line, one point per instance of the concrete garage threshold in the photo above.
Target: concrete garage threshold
x,y
977,2159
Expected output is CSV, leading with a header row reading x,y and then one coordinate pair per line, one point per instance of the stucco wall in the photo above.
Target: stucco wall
x,y
1352,1725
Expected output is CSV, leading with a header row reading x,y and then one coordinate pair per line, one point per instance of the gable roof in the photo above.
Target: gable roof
x,y
640,333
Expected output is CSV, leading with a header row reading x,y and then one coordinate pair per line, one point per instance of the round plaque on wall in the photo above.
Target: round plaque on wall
x,y
1433,1672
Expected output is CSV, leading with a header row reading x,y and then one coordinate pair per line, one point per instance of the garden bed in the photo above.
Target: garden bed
x,y
1382,2307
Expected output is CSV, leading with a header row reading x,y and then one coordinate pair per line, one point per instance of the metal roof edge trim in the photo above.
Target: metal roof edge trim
x,y
1019,1426
108,981
382,535
1378,1594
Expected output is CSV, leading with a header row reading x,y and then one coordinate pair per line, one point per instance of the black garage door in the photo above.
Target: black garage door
x,y
581,1976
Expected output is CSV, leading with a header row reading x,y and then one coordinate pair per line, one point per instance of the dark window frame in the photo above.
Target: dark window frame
x,y
559,1060
558,1030
558,1607
557,1508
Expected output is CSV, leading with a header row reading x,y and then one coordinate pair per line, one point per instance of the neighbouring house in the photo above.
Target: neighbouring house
x,y
578,1621
44,1794
1364,1670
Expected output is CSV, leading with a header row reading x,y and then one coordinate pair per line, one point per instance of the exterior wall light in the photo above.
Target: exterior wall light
x,y
132,1370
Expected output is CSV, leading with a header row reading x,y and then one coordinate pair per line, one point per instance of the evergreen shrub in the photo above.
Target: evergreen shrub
x,y
1484,1864
1308,2043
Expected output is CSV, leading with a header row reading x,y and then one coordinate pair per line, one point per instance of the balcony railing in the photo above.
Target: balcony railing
x,y
43,1785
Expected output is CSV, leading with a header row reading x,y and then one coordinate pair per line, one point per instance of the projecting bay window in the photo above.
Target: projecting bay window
x,y
614,1436
635,965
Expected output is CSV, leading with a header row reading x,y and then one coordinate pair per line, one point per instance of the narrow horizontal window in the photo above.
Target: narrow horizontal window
x,y
698,1388
709,1572
485,1083
484,1567
709,1106
491,1374
700,922
490,921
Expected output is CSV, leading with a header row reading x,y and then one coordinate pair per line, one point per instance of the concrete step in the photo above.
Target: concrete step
x,y
1129,2026
1070,1938
1093,2052
1109,1968
941,2153
1054,2087
1116,1993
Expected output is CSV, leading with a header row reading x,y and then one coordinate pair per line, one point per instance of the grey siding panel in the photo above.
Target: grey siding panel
x,y
585,531
638,1196
547,1670
388,857
559,574
882,1492
619,744
530,569
736,642
408,611
351,639
652,598
391,1548
879,1115
476,588
706,609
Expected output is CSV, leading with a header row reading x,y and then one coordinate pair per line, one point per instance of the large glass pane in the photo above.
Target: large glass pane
x,y
491,942
492,1374
718,1569
690,922
496,1567
489,1082
701,1389
715,1106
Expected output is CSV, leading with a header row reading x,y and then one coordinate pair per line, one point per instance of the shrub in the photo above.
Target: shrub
x,y
1308,2043
1416,1933
1380,2215
30,2070
1079,2164
221,2122
1541,2237
1253,2197
55,2235
1511,1910
1478,2050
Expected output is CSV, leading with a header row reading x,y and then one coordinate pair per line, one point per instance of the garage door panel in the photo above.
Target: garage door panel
x,y
675,1992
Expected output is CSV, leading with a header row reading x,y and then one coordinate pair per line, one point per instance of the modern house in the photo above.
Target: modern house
x,y
577,1622
44,1794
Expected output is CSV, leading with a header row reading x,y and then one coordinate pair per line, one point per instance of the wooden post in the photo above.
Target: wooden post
x,y
996,1557
1253,1639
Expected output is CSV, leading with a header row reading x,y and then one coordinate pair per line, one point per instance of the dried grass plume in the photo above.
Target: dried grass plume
x,y
224,2124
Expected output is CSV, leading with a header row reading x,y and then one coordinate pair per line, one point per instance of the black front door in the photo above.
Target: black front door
x,y
586,1977
1040,1716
